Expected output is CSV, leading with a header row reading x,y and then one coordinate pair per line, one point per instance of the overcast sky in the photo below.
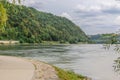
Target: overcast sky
x,y
93,16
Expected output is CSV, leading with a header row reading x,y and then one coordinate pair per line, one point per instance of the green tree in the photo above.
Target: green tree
x,y
14,1
3,17
3,14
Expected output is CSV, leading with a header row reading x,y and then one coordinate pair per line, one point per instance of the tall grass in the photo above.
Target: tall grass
x,y
68,75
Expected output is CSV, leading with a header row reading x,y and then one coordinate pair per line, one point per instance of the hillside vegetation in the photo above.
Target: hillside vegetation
x,y
105,38
28,25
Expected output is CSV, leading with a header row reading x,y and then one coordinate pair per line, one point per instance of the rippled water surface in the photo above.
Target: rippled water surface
x,y
90,60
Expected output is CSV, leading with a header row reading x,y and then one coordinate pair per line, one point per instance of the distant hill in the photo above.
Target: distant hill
x,y
26,24
103,38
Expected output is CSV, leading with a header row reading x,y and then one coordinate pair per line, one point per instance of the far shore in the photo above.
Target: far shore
x,y
14,42
5,42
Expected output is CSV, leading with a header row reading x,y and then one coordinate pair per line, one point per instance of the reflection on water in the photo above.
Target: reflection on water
x,y
90,60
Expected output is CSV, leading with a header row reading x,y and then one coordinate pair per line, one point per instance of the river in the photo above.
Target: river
x,y
91,60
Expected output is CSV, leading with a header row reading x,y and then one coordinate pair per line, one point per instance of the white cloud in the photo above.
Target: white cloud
x,y
33,3
98,6
117,20
65,14
85,8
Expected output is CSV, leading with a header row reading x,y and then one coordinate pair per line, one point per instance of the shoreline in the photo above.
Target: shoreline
x,y
15,42
53,72
41,70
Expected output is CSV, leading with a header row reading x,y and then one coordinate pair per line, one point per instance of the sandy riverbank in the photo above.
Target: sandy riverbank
x,y
43,71
13,68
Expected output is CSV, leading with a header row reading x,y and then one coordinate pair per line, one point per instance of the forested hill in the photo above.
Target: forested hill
x,y
29,25
105,38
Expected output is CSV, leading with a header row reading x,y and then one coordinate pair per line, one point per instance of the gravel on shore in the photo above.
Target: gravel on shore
x,y
43,71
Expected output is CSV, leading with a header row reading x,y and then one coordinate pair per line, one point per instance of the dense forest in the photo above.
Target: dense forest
x,y
28,25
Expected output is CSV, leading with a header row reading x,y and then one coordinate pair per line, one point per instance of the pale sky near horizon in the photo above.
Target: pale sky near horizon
x,y
93,16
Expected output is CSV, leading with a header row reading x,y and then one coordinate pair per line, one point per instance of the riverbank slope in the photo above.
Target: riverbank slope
x,y
13,68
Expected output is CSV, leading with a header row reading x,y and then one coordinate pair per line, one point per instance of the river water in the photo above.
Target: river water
x,y
89,59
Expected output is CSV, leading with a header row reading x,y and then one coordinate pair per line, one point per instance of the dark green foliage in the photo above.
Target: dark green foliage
x,y
32,26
